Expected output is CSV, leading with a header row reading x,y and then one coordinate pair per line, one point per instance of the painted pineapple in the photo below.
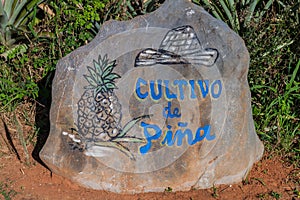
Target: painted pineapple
x,y
99,113
99,110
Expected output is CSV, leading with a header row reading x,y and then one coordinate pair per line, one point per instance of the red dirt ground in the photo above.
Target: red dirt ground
x,y
269,179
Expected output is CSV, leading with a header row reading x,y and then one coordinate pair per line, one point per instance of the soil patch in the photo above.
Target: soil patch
x,y
270,178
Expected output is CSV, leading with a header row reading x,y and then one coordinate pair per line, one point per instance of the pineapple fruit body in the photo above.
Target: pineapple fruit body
x,y
99,110
99,118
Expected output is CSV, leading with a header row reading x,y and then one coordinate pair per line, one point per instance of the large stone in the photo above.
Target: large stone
x,y
159,101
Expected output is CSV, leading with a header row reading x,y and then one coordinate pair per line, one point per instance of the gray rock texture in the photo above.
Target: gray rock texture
x,y
155,102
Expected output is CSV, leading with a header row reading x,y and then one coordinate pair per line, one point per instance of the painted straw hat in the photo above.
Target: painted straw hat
x,y
180,46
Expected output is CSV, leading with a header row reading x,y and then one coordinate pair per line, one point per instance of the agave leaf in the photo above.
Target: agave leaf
x,y
130,124
8,40
129,139
15,13
3,24
219,13
248,2
226,10
8,7
2,8
91,81
2,40
3,21
116,146
231,5
228,13
216,12
25,12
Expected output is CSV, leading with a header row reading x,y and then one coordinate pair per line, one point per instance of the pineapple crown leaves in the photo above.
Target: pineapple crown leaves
x,y
101,77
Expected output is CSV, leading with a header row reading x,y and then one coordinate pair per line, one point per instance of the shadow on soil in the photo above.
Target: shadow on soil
x,y
42,120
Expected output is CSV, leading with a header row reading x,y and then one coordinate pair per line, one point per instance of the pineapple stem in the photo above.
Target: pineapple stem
x,y
129,139
130,124
118,146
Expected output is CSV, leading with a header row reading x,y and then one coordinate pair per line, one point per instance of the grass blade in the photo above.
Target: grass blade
x,y
22,139
250,11
267,6
255,87
289,85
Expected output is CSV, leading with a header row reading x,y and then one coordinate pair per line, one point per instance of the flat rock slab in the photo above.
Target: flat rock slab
x,y
161,101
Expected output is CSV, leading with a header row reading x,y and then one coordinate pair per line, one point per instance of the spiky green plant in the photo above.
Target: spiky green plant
x,y
14,16
237,14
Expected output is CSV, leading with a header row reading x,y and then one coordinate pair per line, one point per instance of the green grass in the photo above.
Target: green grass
x,y
274,78
6,192
278,121
275,195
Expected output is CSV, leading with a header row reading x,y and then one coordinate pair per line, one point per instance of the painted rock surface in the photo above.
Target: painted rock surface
x,y
159,101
